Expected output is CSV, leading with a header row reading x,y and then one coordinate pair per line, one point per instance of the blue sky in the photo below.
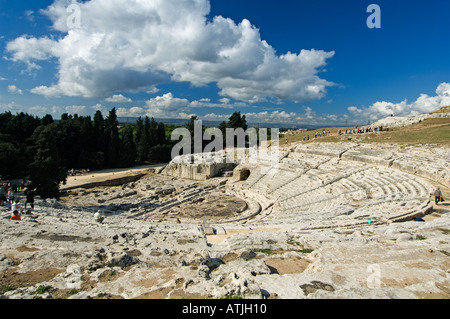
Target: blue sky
x,y
284,61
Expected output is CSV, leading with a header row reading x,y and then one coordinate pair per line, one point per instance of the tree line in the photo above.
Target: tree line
x,y
43,149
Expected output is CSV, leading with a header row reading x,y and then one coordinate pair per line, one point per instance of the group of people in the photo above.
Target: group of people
x,y
362,130
316,135
356,130
8,195
76,172
18,210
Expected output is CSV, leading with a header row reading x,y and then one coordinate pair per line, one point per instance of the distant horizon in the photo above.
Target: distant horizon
x,y
209,123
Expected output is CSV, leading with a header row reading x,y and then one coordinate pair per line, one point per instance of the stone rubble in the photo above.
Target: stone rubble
x,y
328,221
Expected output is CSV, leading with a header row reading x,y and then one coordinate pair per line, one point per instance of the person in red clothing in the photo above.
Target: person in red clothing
x,y
16,216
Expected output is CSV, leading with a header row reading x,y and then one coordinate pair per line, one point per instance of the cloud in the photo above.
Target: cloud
x,y
131,112
134,46
29,49
169,106
224,103
101,108
54,110
118,98
308,117
14,89
165,106
29,15
423,104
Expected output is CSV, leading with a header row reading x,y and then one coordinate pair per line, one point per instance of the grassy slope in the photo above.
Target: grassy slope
x,y
430,131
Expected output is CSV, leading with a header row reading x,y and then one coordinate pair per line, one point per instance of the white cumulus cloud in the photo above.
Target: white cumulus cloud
x,y
131,46
118,98
423,104
14,89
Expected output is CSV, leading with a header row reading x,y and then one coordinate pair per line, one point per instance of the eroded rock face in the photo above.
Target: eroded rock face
x,y
199,167
401,121
321,224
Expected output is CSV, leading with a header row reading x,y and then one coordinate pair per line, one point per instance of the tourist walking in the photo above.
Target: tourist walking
x,y
437,195
30,198
11,196
2,195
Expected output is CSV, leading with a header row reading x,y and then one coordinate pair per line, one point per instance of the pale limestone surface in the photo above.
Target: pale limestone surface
x,y
330,222
402,121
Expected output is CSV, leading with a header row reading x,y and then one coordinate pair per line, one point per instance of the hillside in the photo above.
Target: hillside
x,y
427,128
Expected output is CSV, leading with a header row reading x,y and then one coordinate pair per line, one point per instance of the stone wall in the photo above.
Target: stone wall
x,y
198,167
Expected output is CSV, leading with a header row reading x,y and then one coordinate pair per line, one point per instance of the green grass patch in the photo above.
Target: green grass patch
x,y
73,291
306,251
43,289
5,289
429,131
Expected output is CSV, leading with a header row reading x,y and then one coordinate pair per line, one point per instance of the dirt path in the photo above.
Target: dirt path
x,y
105,175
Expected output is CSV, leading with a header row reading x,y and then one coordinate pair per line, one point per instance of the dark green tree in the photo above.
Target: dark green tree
x,y
153,133
146,140
161,134
139,140
47,120
46,172
127,151
223,128
191,127
16,145
11,161
112,139
237,121
98,157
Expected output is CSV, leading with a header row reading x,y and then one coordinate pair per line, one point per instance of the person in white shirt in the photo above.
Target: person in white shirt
x,y
98,217
16,206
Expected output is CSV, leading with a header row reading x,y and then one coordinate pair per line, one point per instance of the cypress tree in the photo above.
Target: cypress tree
x,y
47,120
112,138
237,121
153,133
46,172
161,134
146,139
127,154
139,139
99,140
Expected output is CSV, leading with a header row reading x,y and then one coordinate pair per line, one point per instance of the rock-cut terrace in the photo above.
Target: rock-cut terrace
x,y
318,220
326,185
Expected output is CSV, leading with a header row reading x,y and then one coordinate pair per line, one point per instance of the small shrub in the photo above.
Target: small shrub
x,y
73,291
43,289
